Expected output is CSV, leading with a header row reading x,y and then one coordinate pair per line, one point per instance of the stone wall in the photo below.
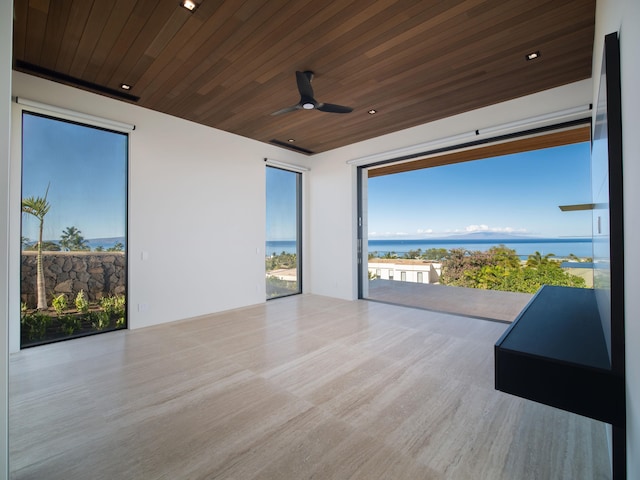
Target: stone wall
x,y
99,274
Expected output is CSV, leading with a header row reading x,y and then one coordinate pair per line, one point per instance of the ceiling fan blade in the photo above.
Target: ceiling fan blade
x,y
331,108
304,84
287,110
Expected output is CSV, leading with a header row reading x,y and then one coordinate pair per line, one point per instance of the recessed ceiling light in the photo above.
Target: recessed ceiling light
x,y
291,140
372,111
533,55
189,5
125,86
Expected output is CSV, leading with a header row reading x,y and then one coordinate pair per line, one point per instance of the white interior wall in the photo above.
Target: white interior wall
x,y
6,29
333,195
196,208
624,16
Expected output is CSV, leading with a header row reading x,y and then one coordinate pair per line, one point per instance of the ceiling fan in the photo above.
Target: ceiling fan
x,y
307,102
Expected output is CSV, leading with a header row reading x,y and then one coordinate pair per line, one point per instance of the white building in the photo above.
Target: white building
x,y
416,271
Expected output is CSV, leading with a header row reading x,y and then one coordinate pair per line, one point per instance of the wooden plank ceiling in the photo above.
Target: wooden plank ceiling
x,y
231,63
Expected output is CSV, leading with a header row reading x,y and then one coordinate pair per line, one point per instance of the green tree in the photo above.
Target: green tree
x,y
26,243
411,254
282,261
437,254
118,247
47,246
38,207
499,268
71,239
537,259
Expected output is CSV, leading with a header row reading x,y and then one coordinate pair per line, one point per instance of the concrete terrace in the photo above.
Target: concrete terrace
x,y
470,302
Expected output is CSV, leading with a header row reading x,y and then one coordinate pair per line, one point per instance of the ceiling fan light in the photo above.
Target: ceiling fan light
x,y
308,106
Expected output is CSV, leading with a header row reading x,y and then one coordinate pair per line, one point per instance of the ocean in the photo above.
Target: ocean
x,y
560,247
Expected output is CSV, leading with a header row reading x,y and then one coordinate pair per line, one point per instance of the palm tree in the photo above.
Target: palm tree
x,y
72,239
38,207
537,260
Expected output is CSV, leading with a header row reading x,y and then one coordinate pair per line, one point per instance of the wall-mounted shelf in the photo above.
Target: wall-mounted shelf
x,y
555,353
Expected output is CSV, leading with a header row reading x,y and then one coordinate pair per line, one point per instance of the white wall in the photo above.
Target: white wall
x,y
333,196
624,16
6,28
196,207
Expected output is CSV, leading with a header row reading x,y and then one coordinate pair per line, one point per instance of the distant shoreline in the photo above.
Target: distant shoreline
x,y
560,247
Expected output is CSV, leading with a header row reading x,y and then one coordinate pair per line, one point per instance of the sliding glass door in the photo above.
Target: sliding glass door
x,y
283,247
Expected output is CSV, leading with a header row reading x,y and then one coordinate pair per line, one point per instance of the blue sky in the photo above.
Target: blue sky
x,y
517,194
85,169
281,204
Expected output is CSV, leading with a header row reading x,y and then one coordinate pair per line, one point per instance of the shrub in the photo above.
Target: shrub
x,y
82,304
500,269
69,324
59,303
100,320
35,324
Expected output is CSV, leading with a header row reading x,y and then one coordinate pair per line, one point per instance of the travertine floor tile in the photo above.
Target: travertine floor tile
x,y
301,387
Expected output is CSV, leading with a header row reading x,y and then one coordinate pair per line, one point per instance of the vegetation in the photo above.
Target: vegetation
x,y
38,326
431,254
46,246
71,239
38,207
114,307
81,302
34,325
59,303
499,268
118,247
277,287
283,261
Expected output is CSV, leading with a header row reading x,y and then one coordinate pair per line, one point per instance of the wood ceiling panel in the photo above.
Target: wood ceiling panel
x,y
190,60
231,63
90,36
56,24
72,34
110,34
547,140
36,23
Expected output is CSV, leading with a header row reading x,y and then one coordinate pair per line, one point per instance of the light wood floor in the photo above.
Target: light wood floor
x,y
304,387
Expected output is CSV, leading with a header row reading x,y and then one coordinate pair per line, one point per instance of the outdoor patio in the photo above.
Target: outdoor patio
x,y
470,302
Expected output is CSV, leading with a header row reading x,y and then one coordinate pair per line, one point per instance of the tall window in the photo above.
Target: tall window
x,y
283,247
73,266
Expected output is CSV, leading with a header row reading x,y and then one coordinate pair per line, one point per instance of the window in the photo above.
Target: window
x,y
489,218
73,266
283,236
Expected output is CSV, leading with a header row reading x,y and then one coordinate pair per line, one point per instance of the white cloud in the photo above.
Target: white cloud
x,y
486,228
477,228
